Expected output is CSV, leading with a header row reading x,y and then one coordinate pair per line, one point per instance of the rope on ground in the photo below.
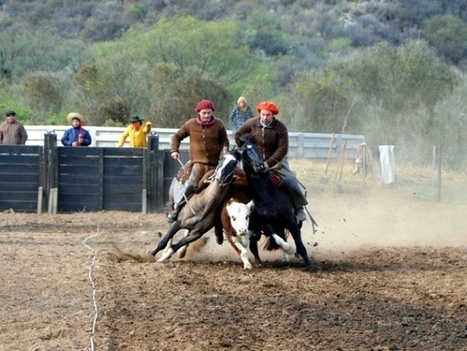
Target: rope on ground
x,y
93,285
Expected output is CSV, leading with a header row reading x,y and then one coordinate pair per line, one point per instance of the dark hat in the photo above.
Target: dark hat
x,y
10,113
136,119
204,105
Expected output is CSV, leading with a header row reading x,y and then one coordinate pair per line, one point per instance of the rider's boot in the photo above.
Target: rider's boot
x,y
186,191
300,214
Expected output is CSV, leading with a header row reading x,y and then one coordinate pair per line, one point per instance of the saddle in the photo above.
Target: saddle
x,y
184,173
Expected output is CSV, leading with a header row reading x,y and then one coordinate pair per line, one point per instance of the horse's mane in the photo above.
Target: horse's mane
x,y
248,139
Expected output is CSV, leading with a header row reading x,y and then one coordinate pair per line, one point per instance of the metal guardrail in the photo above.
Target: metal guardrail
x,y
301,145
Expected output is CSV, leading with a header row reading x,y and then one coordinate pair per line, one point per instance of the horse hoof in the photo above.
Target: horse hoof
x,y
152,252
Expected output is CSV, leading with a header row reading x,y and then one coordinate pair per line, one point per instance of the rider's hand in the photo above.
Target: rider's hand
x,y
266,165
175,155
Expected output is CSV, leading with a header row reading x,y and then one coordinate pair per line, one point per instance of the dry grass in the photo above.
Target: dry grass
x,y
413,181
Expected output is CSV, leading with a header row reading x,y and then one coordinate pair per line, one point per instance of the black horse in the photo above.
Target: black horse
x,y
273,210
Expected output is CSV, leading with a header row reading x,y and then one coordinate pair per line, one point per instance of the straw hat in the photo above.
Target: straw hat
x,y
73,115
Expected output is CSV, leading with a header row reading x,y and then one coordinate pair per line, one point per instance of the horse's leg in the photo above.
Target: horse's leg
x,y
182,251
193,236
169,250
284,245
218,228
254,247
169,244
163,244
297,237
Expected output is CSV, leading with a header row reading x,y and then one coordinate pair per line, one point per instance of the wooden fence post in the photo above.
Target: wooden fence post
x,y
155,174
50,181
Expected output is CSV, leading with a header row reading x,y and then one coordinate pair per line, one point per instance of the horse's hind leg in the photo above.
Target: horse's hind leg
x,y
284,245
301,249
254,247
193,236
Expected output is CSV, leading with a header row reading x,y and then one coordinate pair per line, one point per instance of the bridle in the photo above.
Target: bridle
x,y
252,166
223,181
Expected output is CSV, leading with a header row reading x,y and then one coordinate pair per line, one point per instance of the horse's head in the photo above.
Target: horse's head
x,y
225,169
251,156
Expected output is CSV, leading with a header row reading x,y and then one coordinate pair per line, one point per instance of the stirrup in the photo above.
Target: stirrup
x,y
300,214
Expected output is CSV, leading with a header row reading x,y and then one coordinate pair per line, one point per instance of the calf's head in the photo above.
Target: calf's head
x,y
239,214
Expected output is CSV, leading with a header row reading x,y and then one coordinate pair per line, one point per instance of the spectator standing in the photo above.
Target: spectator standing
x,y
137,132
240,114
12,132
76,135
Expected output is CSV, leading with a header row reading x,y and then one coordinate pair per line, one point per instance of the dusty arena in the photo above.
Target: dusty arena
x,y
389,273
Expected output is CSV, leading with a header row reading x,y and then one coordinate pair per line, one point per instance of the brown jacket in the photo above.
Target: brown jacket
x,y
272,140
13,133
206,142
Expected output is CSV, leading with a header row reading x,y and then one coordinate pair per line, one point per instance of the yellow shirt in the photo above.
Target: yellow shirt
x,y
138,138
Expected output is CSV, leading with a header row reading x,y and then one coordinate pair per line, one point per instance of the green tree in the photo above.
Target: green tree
x,y
42,93
448,35
208,46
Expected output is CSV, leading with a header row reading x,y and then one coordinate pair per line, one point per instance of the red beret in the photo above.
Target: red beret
x,y
268,105
204,105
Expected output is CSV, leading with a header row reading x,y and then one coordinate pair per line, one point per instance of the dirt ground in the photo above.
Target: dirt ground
x,y
389,273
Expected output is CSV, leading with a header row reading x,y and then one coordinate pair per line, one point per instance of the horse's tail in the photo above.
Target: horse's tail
x,y
271,245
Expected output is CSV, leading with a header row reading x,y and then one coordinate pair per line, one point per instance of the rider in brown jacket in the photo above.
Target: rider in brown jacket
x,y
272,140
208,140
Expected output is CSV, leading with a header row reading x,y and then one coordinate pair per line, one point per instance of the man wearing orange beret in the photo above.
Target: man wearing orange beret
x,y
273,143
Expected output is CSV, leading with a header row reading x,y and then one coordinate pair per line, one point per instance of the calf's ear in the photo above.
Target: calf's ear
x,y
250,205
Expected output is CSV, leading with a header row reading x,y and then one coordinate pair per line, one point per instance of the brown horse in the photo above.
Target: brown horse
x,y
199,213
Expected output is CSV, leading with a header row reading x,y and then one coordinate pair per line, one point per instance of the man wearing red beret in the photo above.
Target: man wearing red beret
x,y
273,143
208,140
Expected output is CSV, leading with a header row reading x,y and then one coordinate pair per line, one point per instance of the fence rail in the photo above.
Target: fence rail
x,y
301,145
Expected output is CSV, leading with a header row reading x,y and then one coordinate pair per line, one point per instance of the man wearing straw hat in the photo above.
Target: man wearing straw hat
x,y
76,135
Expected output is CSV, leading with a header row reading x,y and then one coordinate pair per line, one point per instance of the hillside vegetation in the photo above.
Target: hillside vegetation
x,y
391,70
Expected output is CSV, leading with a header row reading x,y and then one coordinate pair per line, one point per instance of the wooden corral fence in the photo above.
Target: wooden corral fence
x,y
51,178
65,179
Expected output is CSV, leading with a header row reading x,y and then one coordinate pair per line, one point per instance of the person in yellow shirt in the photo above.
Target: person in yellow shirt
x,y
137,133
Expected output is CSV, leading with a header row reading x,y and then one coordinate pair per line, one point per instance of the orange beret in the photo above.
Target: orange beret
x,y
268,105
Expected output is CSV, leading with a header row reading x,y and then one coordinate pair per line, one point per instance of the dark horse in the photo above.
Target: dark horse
x,y
199,214
273,210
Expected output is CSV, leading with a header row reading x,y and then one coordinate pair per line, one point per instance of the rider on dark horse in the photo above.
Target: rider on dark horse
x,y
273,143
208,140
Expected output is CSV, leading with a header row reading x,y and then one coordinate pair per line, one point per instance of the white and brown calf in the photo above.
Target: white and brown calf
x,y
235,218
